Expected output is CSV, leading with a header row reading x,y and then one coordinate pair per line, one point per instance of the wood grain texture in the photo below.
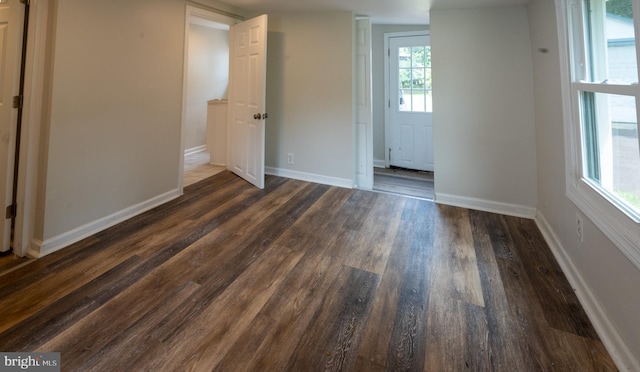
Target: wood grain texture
x,y
408,336
301,276
503,333
455,271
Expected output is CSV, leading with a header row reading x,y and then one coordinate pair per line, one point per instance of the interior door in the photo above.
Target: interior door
x,y
11,19
247,91
364,114
409,129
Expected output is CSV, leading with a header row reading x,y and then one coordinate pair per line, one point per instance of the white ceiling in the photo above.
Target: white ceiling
x,y
381,11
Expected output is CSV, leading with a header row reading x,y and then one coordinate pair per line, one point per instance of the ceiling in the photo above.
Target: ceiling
x,y
380,11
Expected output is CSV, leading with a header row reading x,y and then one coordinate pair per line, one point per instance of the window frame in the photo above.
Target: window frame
x,y
620,223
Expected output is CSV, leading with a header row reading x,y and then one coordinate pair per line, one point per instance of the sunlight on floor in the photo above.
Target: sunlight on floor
x,y
197,168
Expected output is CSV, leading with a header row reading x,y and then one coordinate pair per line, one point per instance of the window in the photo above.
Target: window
x,y
414,76
601,114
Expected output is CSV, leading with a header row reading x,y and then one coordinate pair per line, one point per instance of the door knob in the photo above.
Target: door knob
x,y
257,116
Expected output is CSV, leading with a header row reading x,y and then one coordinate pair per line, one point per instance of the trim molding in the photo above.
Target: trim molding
x,y
310,177
607,331
486,205
195,150
39,248
379,163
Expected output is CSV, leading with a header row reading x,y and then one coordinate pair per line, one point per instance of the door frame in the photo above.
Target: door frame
x,y
363,103
387,78
192,11
30,169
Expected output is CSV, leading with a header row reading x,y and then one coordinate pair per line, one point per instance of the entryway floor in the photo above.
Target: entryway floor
x,y
197,168
404,182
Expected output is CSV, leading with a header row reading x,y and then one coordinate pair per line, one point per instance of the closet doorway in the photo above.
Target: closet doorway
x,y
205,85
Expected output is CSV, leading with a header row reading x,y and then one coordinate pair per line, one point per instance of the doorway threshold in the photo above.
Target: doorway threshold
x,y
406,182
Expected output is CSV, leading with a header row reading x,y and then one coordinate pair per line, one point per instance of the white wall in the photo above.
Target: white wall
x,y
610,277
208,79
378,72
483,121
310,94
112,138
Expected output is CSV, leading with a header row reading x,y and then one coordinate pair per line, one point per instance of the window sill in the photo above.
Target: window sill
x,y
621,229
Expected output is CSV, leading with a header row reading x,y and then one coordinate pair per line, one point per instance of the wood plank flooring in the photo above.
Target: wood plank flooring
x,y
302,277
404,182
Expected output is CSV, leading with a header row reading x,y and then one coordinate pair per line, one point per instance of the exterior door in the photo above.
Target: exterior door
x,y
247,91
409,129
11,20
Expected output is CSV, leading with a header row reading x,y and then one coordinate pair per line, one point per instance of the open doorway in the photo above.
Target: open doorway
x,y
403,138
206,85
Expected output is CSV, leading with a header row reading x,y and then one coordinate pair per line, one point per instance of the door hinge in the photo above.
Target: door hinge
x,y
389,103
28,2
11,211
17,102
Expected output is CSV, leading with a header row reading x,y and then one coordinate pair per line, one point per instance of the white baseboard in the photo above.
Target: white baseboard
x,y
611,338
486,205
39,248
379,163
195,150
310,177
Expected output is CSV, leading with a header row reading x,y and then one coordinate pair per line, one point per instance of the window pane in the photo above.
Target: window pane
x,y
418,101
427,79
405,77
611,153
404,57
418,78
427,57
405,100
610,39
418,56
429,99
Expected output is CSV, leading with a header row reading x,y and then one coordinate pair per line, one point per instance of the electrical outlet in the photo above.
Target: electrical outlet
x,y
579,228
290,158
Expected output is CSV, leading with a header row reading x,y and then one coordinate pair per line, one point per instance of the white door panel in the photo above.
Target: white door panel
x,y
407,155
11,19
409,129
247,93
364,113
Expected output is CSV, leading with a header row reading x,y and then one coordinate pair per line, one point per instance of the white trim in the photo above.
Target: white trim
x,y
310,177
379,163
614,223
28,169
362,110
195,150
611,338
486,205
42,248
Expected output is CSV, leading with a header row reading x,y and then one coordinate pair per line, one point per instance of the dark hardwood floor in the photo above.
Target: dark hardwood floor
x,y
404,182
302,277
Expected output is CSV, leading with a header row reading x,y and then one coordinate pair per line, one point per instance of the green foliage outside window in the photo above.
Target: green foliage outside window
x,y
620,7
